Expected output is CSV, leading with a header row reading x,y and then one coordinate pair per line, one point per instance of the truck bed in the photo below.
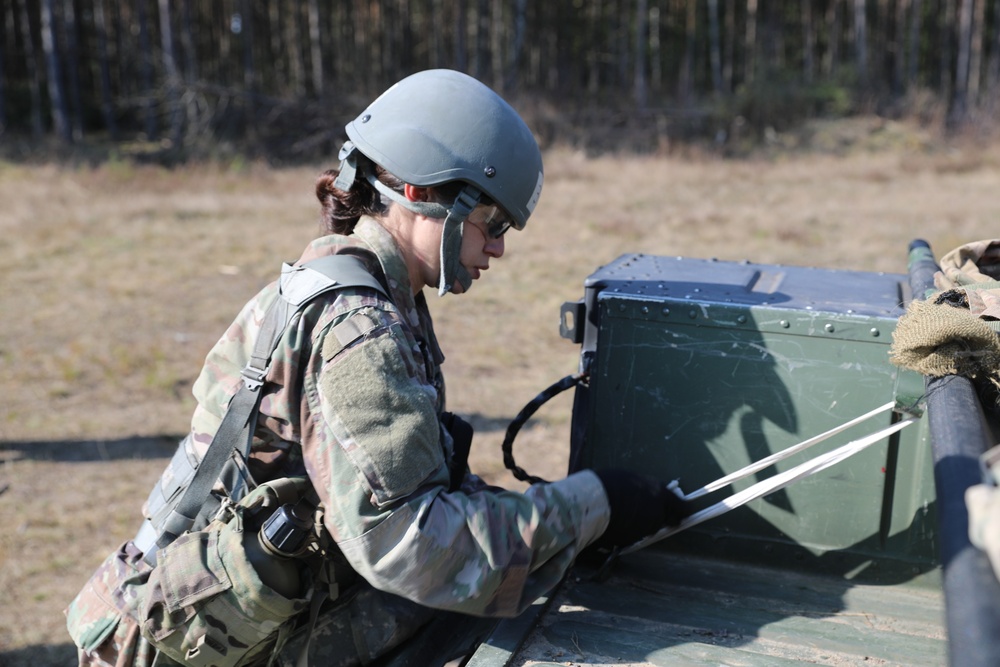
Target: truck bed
x,y
661,608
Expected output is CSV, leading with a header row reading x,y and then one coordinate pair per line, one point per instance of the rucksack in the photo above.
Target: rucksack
x,y
188,580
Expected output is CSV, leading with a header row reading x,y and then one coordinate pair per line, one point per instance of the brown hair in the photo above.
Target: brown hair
x,y
341,210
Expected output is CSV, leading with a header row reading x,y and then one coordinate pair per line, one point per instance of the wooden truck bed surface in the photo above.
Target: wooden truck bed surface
x,y
659,608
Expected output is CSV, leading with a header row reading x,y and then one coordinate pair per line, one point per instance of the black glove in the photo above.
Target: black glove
x,y
640,506
461,436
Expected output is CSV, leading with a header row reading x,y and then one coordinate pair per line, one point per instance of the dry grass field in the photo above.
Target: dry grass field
x,y
117,279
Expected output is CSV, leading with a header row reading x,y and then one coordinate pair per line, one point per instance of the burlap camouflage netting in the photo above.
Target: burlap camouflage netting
x,y
954,332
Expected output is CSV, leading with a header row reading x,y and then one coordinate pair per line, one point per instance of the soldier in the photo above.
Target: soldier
x,y
352,409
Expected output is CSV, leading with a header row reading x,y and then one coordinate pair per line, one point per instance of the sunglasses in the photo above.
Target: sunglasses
x,y
491,218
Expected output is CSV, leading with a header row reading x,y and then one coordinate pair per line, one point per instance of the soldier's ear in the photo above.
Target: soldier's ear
x,y
415,193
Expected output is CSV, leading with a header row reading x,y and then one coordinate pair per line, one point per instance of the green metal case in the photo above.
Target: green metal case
x,y
700,367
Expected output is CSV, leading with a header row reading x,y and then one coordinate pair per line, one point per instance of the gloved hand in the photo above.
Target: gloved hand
x,y
461,434
640,506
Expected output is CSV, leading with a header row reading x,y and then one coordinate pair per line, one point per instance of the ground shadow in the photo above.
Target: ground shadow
x,y
145,447
49,655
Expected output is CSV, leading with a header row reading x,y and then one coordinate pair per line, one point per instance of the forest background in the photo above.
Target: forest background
x,y
188,78
157,161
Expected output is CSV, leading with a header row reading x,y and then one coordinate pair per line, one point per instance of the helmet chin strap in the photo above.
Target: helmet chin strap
x,y
452,270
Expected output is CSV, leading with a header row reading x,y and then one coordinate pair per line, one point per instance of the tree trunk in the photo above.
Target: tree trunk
x,y
482,39
57,94
315,50
187,43
107,104
640,93
750,43
513,78
808,41
960,97
246,35
146,72
976,51
900,43
461,34
296,65
947,36
34,74
75,100
861,42
831,58
729,52
3,79
685,89
496,45
594,49
994,68
171,75
715,46
436,51
655,51
913,63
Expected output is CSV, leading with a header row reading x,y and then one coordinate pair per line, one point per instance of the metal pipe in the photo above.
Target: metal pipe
x,y
959,435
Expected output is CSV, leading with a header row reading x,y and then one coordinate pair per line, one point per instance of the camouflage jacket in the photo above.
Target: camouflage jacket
x,y
359,413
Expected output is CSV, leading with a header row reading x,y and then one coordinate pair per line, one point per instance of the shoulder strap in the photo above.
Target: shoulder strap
x,y
298,286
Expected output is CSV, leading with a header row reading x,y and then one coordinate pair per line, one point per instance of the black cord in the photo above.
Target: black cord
x,y
523,416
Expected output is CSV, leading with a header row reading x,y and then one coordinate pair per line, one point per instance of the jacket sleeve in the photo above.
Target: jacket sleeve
x,y
377,457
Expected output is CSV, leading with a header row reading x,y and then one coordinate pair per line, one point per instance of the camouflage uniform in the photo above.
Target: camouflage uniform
x,y
360,416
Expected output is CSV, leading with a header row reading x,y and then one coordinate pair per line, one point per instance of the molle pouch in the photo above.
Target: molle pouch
x,y
205,603
99,618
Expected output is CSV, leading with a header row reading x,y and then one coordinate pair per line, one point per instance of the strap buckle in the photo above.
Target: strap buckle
x,y
253,377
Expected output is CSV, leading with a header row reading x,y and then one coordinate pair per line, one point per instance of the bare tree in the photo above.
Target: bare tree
x,y
913,63
6,36
861,41
187,43
57,96
516,45
173,79
461,34
808,41
593,53
315,50
146,71
946,35
900,44
496,45
685,87
640,92
34,74
107,105
729,54
960,94
655,51
293,41
482,56
715,46
994,67
976,50
74,102
831,57
750,42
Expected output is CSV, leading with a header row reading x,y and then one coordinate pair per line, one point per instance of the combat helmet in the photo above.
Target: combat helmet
x,y
440,126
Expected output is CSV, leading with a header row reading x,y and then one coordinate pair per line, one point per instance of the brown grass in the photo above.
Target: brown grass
x,y
118,279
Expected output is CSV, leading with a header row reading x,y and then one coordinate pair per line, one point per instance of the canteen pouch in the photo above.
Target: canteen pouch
x,y
206,605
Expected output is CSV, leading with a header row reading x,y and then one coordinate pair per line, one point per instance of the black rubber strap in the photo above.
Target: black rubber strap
x,y
523,416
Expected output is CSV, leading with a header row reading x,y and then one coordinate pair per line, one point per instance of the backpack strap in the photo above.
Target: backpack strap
x,y
298,286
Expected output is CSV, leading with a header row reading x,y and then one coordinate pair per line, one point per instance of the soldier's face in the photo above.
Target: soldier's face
x,y
478,248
